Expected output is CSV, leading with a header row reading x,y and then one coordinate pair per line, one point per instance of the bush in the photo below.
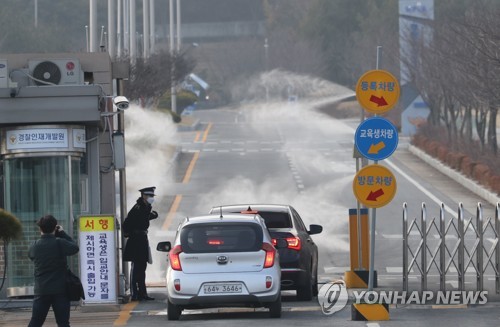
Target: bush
x,y
176,118
467,156
10,226
183,99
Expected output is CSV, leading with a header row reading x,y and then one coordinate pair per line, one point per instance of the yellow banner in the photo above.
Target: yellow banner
x,y
97,223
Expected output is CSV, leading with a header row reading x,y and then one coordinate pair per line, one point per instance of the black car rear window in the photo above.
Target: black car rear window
x,y
212,237
274,219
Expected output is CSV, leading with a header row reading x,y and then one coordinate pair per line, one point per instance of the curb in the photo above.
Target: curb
x,y
455,175
187,128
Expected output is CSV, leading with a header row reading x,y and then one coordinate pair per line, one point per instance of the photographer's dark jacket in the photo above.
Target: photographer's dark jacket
x,y
49,256
135,227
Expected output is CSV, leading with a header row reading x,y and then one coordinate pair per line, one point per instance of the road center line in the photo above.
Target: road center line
x,y
190,168
125,314
205,134
171,212
197,137
178,198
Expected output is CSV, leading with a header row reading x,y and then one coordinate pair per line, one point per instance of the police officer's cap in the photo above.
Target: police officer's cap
x,y
148,191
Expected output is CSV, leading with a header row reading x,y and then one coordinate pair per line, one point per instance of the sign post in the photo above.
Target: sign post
x,y
377,92
376,138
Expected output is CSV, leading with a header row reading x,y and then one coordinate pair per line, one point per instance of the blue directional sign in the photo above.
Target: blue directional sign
x,y
376,138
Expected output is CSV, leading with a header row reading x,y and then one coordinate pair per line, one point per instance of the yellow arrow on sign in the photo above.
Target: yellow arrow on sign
x,y
375,148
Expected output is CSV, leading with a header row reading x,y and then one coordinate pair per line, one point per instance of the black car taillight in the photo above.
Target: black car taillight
x,y
293,243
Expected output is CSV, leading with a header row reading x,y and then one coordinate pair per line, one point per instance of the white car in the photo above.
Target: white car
x,y
221,261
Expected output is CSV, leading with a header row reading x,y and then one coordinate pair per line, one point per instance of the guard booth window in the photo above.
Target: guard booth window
x,y
34,187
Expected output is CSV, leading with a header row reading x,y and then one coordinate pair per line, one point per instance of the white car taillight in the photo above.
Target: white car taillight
x,y
177,284
269,281
173,255
270,255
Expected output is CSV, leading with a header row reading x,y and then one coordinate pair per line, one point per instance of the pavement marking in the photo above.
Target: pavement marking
x,y
421,188
372,324
190,168
330,270
178,197
205,134
125,314
450,306
395,270
197,137
171,212
393,236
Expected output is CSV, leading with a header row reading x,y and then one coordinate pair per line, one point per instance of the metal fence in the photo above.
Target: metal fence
x,y
440,245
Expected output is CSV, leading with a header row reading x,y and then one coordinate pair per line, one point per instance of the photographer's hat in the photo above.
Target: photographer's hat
x,y
148,191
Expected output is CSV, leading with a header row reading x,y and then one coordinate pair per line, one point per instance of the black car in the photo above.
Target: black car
x,y
299,261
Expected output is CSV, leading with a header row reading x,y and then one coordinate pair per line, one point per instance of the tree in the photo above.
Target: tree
x,y
151,78
349,31
10,228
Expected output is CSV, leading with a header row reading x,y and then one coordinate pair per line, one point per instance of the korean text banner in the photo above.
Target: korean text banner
x,y
98,258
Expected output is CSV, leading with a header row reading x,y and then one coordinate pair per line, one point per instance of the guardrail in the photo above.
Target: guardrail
x,y
451,250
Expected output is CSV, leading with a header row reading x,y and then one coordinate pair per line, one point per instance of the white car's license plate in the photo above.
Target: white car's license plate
x,y
222,288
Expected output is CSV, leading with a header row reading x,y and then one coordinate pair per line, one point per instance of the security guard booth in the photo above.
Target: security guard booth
x,y
56,147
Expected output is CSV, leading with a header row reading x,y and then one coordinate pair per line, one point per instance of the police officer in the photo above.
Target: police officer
x,y
135,228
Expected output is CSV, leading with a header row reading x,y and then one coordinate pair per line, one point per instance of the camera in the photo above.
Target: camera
x,y
121,102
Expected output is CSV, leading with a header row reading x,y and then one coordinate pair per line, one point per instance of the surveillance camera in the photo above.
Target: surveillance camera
x,y
121,102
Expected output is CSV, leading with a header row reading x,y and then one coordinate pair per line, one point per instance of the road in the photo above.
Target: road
x,y
282,153
289,153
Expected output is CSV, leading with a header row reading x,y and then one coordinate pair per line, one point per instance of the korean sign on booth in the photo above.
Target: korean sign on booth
x,y
98,258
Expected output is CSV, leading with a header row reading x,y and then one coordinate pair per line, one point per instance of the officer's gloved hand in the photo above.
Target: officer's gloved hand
x,y
153,215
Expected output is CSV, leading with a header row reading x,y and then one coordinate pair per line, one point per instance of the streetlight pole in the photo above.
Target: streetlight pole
x,y
93,25
132,32
112,28
152,25
36,13
145,28
179,40
173,96
119,28
266,62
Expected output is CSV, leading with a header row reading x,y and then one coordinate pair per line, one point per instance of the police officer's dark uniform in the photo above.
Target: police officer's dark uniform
x,y
135,227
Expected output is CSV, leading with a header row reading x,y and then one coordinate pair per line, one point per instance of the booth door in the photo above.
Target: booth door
x,y
34,187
